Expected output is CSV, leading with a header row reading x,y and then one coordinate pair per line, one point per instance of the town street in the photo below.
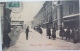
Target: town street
x,y
43,25
37,41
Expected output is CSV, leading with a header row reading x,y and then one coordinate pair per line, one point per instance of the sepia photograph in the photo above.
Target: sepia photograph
x,y
40,25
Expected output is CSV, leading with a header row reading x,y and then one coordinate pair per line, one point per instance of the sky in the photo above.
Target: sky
x,y
30,9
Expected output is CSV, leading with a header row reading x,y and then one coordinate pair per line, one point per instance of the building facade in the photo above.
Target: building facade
x,y
5,19
62,14
47,14
70,11
44,16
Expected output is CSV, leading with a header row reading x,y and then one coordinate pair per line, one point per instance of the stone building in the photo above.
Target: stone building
x,y
47,15
38,19
62,14
70,11
44,16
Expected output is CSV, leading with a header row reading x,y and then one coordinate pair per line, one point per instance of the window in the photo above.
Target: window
x,y
70,9
58,2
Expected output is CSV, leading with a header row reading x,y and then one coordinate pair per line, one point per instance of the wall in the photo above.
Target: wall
x,y
2,21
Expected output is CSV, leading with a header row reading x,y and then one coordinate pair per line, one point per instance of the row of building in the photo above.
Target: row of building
x,y
58,14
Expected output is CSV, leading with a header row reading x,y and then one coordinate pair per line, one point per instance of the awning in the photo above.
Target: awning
x,y
70,20
71,15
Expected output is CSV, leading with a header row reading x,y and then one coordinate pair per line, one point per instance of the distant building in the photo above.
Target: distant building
x,y
44,16
47,18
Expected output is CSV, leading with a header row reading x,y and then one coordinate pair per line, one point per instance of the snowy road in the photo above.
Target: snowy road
x,y
37,41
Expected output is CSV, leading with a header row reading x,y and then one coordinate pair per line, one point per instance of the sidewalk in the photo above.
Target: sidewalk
x,y
36,41
57,32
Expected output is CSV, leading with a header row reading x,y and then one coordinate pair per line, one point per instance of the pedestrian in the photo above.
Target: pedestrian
x,y
53,33
40,30
68,33
49,32
27,31
6,40
65,29
62,32
76,36
37,29
73,32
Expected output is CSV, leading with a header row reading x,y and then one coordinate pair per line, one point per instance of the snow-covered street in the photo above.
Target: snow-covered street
x,y
37,41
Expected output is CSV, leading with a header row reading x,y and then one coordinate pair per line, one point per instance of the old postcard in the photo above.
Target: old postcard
x,y
40,25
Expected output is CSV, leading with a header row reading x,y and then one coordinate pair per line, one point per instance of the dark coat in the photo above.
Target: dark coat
x,y
72,34
76,37
62,33
40,31
53,33
68,33
27,31
48,32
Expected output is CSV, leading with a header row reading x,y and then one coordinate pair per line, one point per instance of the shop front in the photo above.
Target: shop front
x,y
71,22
